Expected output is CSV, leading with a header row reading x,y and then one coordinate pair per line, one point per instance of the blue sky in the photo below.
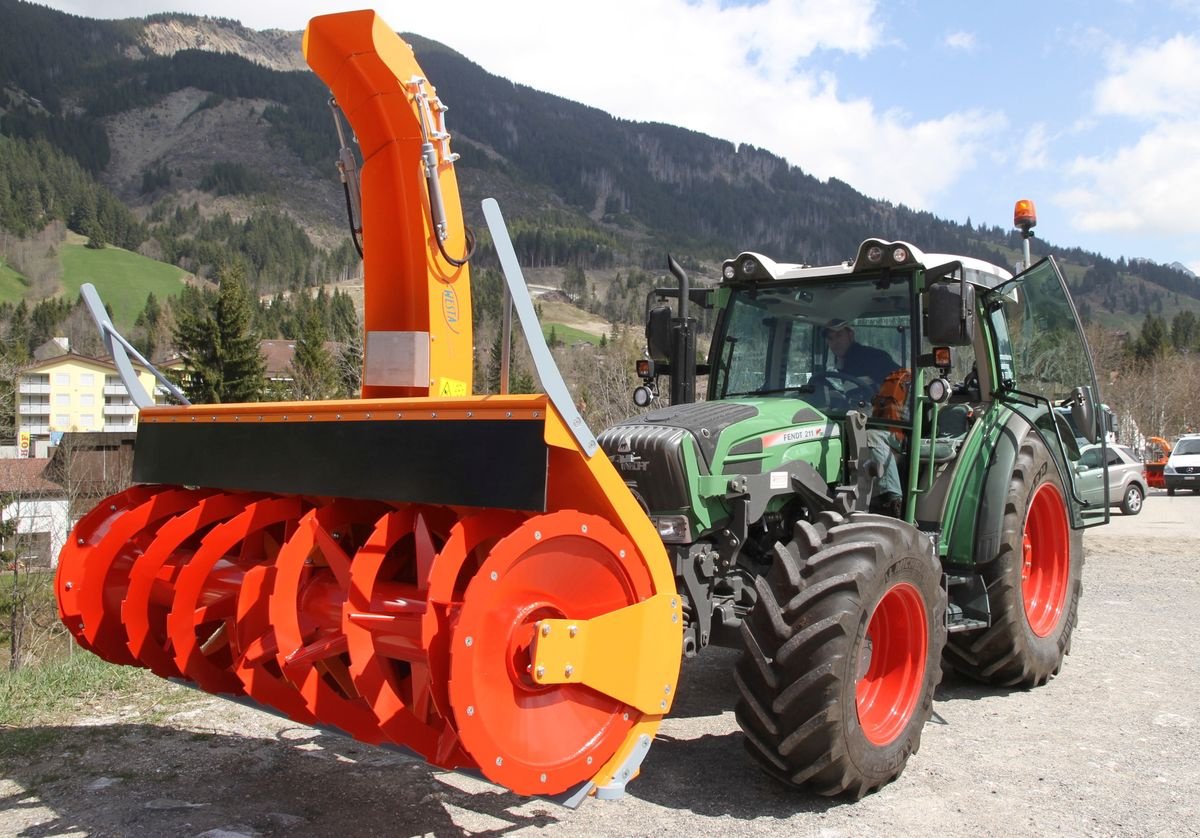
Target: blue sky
x,y
959,108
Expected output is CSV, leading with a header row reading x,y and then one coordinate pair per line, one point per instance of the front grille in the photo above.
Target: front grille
x,y
650,458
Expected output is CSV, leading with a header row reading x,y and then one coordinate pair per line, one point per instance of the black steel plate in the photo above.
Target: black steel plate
x,y
476,462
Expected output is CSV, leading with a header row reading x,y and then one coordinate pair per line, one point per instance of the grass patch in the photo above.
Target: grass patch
x,y
12,285
568,334
52,691
122,277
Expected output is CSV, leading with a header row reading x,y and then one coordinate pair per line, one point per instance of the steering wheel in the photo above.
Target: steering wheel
x,y
841,389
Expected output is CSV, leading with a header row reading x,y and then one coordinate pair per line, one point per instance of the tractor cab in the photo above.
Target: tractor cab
x,y
897,351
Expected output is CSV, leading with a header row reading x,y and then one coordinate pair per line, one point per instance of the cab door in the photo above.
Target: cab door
x,y
1045,373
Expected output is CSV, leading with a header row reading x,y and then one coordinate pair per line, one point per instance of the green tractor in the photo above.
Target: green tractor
x,y
878,482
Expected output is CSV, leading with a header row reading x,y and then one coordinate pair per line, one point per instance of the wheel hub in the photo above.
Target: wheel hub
x,y
891,664
1046,563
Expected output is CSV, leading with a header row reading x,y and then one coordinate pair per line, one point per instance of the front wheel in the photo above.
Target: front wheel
x,y
1034,581
842,654
1131,504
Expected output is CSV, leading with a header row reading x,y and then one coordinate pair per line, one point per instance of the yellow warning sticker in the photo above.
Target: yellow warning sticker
x,y
451,387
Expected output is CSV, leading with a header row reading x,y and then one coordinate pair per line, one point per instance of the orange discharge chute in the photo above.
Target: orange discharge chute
x,y
449,573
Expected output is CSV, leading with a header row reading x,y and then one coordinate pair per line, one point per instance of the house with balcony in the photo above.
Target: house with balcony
x,y
70,393
33,515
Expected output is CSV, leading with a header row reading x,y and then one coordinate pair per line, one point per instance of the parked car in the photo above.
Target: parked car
x,y
1126,480
1182,470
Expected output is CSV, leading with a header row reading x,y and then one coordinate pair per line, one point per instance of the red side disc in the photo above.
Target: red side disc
x,y
201,623
312,578
152,581
530,738
72,560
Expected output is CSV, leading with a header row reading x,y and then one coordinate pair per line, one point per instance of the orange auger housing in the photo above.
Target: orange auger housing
x,y
449,573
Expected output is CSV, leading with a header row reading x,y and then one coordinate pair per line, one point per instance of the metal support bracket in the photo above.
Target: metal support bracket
x,y
543,361
589,652
120,350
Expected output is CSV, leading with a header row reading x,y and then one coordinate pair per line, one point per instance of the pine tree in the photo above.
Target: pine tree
x,y
243,367
220,352
314,373
197,338
1154,339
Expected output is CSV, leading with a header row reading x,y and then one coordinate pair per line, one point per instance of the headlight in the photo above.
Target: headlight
x,y
1168,470
673,529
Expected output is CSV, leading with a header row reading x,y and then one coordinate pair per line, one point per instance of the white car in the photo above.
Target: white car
x,y
1182,470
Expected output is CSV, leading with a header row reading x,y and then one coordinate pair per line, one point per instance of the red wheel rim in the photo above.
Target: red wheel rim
x,y
891,664
537,739
1046,563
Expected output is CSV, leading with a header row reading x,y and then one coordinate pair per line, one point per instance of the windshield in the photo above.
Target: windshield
x,y
1188,446
831,343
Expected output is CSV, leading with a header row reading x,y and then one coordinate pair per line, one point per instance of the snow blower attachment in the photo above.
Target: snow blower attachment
x,y
456,575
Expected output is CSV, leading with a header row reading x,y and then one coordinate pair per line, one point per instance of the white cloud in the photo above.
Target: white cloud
x,y
961,40
1034,149
1153,80
1146,187
1149,187
685,64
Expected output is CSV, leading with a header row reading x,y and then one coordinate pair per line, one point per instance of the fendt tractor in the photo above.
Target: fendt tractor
x,y
880,481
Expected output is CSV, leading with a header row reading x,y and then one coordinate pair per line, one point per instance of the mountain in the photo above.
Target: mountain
x,y
212,133
1183,269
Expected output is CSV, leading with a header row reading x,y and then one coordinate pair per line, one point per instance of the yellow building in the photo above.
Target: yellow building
x,y
73,392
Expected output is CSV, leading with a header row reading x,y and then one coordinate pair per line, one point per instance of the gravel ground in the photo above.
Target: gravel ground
x,y
1110,747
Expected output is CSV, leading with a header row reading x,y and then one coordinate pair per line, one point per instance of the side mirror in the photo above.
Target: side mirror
x,y
1083,413
658,332
950,314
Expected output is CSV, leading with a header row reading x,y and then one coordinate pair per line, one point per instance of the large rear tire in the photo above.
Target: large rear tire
x,y
1034,581
842,654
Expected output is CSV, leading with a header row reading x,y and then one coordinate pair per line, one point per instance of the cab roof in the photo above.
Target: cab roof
x,y
873,255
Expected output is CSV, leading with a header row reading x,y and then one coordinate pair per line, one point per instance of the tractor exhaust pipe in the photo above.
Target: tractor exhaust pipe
x,y
683,352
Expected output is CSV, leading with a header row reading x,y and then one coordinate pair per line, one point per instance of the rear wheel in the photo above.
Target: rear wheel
x,y
842,654
1033,581
1131,504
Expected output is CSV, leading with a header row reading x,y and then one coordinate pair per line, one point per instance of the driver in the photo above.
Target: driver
x,y
874,365
855,359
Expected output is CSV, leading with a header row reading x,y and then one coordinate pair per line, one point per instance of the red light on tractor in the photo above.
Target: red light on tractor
x,y
1025,214
941,357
